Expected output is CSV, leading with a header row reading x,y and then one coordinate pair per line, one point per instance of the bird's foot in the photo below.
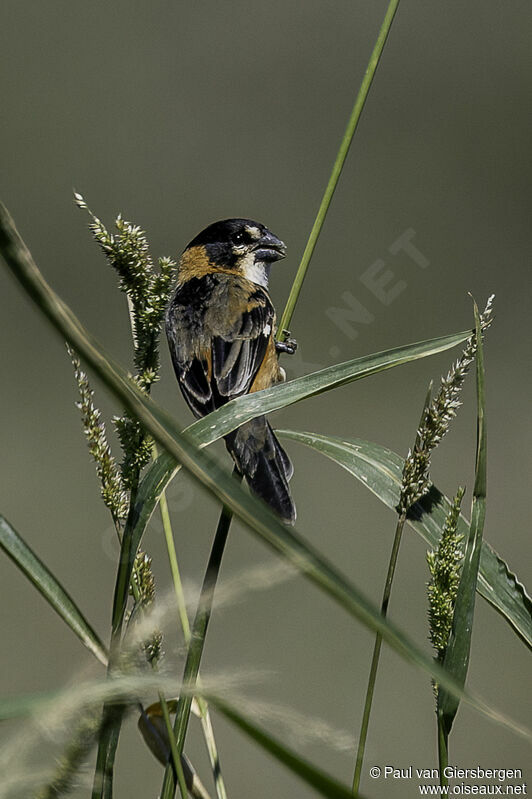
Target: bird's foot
x,y
288,346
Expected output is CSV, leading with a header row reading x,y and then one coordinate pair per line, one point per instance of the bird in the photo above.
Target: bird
x,y
220,325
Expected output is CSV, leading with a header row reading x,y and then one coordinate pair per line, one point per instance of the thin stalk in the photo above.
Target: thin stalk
x,y
443,750
176,759
337,167
208,734
174,567
376,654
112,713
384,610
199,631
206,724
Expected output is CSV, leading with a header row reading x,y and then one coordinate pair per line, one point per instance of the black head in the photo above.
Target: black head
x,y
240,244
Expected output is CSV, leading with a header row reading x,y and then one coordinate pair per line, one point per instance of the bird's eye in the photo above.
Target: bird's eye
x,y
240,238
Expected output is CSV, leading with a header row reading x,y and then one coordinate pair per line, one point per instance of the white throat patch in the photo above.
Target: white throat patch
x,y
258,273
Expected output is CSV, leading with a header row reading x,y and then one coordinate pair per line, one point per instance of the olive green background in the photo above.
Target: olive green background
x,y
178,114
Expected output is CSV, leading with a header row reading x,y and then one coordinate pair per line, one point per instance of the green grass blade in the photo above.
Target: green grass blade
x,y
380,470
456,659
51,589
224,420
322,783
238,411
204,468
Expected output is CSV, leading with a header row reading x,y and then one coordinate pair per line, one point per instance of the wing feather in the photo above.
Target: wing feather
x,y
217,355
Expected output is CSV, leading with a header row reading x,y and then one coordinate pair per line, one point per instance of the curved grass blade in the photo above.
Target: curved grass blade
x,y
217,424
50,588
204,468
456,659
380,470
322,783
279,396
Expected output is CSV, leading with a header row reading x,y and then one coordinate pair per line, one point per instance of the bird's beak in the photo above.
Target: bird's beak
x,y
269,248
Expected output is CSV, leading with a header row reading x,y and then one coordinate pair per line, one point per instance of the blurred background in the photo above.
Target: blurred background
x,y
178,114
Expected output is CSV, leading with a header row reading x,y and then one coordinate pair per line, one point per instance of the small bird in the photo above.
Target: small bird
x,y
220,325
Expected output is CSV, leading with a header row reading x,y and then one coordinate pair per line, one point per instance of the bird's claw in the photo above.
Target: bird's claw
x,y
288,346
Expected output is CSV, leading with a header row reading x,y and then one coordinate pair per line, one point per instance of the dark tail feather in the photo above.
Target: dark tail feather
x,y
265,465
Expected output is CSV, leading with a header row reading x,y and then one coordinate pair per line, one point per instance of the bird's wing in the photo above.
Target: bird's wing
x,y
218,347
238,353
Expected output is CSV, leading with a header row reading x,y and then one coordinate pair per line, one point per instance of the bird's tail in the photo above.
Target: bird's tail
x,y
267,468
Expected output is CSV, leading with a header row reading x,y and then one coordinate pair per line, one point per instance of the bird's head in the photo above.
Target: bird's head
x,y
240,245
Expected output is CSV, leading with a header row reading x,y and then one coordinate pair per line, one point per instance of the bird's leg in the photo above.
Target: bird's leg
x,y
289,346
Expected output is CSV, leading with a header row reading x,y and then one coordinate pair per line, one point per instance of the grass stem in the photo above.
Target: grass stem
x,y
402,509
197,641
206,724
376,654
112,713
443,751
176,759
174,567
337,167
